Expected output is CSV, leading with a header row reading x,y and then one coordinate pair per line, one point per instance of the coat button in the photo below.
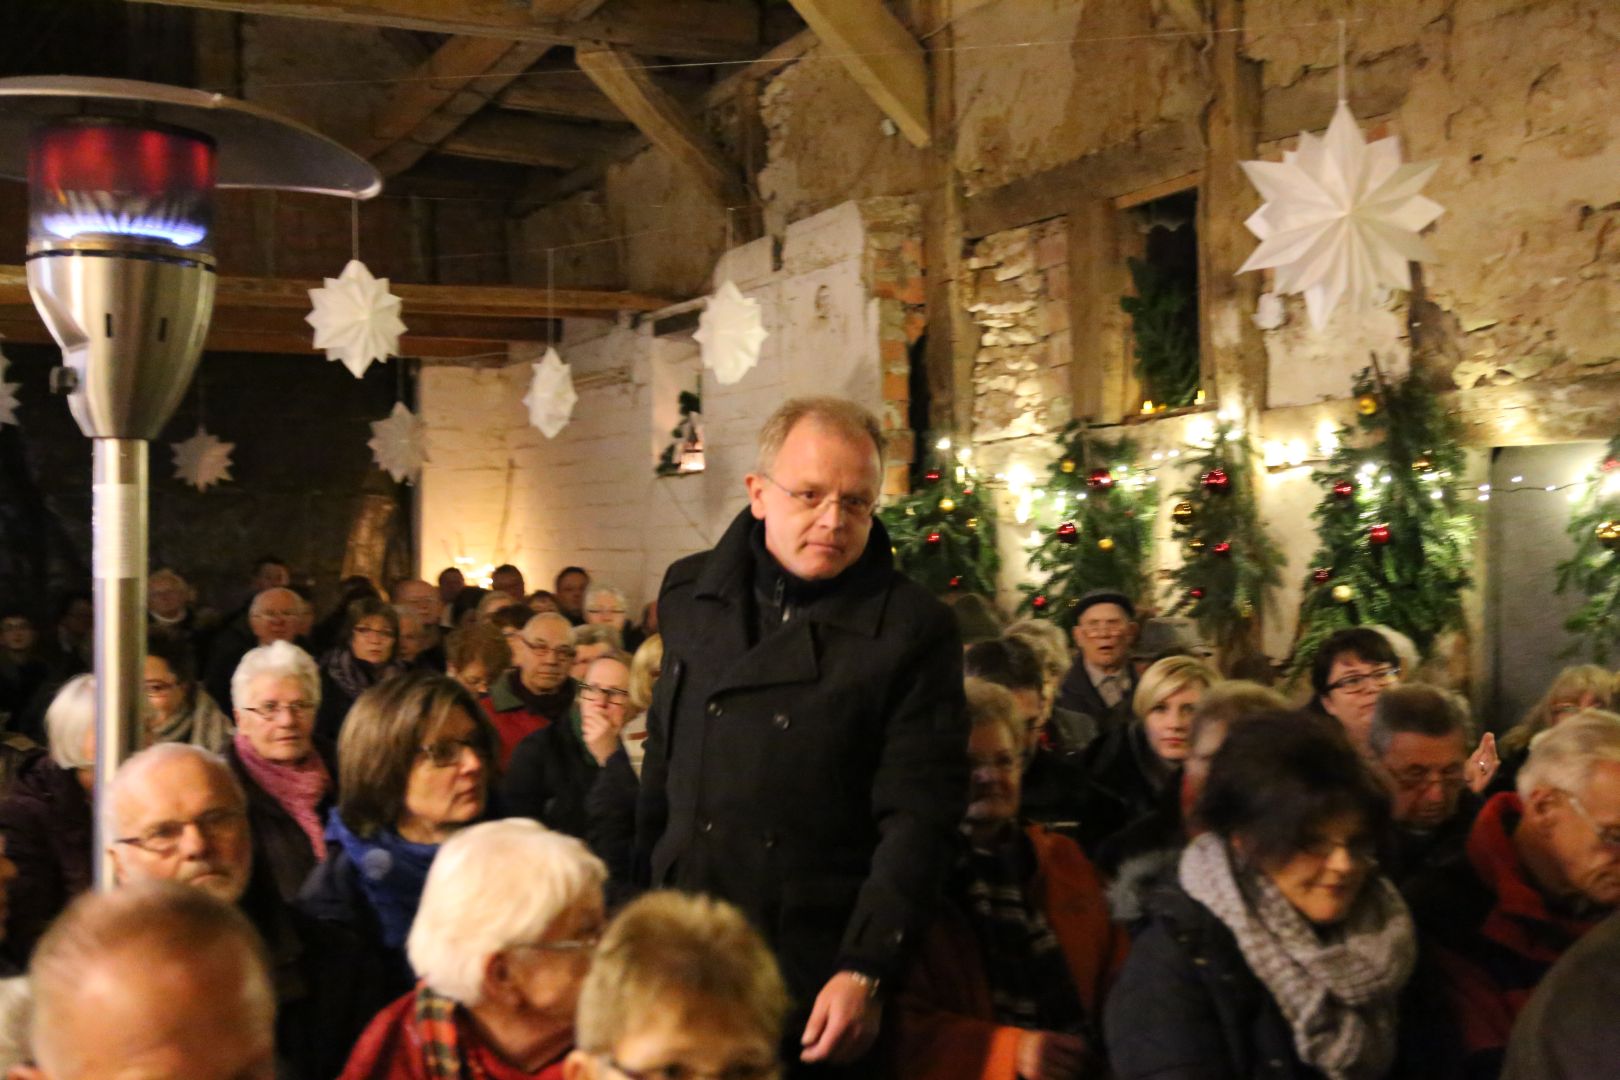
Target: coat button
x,y
781,721
707,825
769,840
715,709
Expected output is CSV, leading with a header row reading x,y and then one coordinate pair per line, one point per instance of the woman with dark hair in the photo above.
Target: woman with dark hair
x,y
1349,670
180,709
367,654
416,759
464,608
1283,951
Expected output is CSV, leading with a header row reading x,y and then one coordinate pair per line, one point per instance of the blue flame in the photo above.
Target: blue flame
x,y
178,233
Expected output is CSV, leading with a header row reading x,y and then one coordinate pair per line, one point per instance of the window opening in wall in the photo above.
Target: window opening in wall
x,y
1163,305
684,451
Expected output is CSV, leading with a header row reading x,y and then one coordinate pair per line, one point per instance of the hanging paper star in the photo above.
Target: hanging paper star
x,y
202,460
8,394
1341,217
399,443
551,396
731,332
356,318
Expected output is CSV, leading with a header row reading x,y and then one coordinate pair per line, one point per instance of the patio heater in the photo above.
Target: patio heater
x,y
121,178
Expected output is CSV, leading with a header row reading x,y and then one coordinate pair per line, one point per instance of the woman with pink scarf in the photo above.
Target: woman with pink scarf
x,y
288,778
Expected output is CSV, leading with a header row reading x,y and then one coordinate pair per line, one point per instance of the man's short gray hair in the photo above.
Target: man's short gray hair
x,y
544,617
279,659
159,754
849,419
69,718
598,634
259,600
597,591
492,887
1563,757
1417,709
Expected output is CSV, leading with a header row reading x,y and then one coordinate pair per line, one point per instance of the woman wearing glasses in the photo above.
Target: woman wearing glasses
x,y
1283,951
285,771
552,771
1349,670
180,710
1576,689
366,654
416,757
510,917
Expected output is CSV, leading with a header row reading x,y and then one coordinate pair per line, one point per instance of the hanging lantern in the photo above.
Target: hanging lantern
x,y
1216,482
1068,532
1183,512
1100,480
1379,534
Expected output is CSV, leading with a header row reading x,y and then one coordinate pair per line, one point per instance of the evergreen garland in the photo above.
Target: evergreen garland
x,y
1395,544
1164,326
1096,520
686,435
944,532
1230,561
1594,569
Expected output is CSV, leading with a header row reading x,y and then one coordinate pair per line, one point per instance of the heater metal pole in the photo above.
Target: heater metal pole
x,y
119,524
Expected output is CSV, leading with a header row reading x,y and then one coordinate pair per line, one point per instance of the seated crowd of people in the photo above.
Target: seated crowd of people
x,y
401,842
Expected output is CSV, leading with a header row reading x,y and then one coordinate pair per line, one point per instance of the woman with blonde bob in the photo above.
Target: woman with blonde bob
x,y
1134,770
509,918
1584,686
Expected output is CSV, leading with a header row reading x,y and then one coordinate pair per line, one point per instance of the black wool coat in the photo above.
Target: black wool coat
x,y
281,849
816,777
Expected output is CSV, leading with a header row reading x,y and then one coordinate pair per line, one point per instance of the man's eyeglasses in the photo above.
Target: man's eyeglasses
x,y
1366,680
677,1071
276,616
447,752
1415,779
813,500
1608,835
608,694
164,837
542,650
160,687
267,711
1104,629
586,943
604,611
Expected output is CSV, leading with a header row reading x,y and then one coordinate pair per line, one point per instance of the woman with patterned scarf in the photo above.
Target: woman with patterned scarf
x,y
365,655
509,919
416,758
1283,952
178,708
1011,977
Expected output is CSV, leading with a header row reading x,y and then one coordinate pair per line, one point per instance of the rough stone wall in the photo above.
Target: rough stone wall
x,y
1019,297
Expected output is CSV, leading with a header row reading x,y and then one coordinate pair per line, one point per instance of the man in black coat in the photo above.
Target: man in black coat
x,y
806,751
1101,682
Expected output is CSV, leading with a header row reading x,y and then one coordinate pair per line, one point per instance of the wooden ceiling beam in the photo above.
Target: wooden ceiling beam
x,y
880,54
666,122
689,30
528,140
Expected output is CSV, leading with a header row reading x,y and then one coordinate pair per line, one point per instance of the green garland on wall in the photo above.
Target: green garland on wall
x,y
944,532
1594,568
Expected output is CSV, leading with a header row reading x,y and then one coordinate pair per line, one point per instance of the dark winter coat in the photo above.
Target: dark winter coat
x,y
333,896
610,829
1123,781
550,778
1567,1031
1187,1006
47,825
806,752
281,847
1413,854
1077,694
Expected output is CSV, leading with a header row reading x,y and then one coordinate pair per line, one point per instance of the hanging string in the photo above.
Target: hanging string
x,y
551,297
354,229
1344,77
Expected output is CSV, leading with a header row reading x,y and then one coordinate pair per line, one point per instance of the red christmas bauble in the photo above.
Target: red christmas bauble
x,y
1196,594
956,583
1101,479
933,538
1222,548
1343,488
1216,481
1322,575
1378,534
1610,464
932,476
1068,533
1039,603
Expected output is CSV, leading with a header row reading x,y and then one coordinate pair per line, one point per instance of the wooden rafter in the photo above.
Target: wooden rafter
x,y
529,140
668,124
880,54
692,29
566,92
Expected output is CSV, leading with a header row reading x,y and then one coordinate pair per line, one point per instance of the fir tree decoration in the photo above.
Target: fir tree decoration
x,y
1594,569
684,451
1225,578
1397,548
1164,324
1094,534
944,532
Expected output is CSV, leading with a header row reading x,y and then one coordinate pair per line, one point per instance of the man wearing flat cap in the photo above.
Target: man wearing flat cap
x,y
1101,682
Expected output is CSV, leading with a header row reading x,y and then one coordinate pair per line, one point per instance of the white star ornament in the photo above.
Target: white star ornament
x,y
202,460
551,396
730,330
1341,217
356,318
399,443
8,394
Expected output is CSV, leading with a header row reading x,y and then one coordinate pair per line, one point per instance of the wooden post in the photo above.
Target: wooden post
x,y
952,338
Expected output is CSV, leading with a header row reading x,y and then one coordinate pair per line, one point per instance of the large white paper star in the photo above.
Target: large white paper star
x,y
399,443
8,394
1341,217
551,396
202,460
731,332
356,318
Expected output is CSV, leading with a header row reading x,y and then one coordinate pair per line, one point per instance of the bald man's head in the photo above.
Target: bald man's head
x,y
179,814
276,615
157,981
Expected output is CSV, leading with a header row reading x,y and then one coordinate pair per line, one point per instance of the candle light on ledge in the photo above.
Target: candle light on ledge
x,y
1198,398
1147,408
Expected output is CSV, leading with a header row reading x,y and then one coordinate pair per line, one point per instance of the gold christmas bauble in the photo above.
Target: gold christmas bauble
x,y
1067,466
1343,593
973,523
1106,543
1183,512
1245,609
1422,464
1366,404
1195,545
947,505
1608,534
911,511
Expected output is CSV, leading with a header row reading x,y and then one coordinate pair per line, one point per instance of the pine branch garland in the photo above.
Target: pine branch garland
x,y
1164,324
1594,568
944,532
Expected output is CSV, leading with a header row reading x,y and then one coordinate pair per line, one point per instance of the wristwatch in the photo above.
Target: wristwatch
x,y
870,983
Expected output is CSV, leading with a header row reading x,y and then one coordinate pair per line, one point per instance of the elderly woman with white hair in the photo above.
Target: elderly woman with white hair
x,y
286,770
45,820
606,606
509,919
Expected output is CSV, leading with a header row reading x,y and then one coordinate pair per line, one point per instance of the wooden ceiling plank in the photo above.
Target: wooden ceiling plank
x,y
668,124
880,54
690,30
527,140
